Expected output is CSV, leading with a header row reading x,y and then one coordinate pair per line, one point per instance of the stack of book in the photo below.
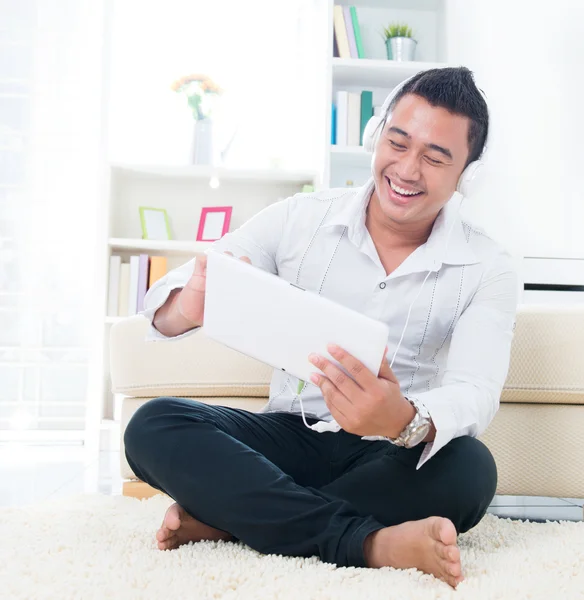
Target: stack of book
x,y
129,282
347,38
350,114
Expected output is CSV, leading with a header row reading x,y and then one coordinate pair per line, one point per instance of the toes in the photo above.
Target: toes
x,y
445,531
169,543
173,517
163,533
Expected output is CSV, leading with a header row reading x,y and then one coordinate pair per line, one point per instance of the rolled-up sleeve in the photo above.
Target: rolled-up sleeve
x,y
258,239
478,360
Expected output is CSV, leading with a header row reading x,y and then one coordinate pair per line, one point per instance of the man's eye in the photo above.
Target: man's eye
x,y
396,145
434,161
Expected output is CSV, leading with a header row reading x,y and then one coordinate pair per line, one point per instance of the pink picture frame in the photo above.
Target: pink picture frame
x,y
214,223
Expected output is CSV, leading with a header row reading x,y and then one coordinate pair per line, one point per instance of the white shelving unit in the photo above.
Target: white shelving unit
x,y
183,190
345,166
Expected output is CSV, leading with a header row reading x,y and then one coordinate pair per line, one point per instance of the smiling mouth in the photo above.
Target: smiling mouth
x,y
401,192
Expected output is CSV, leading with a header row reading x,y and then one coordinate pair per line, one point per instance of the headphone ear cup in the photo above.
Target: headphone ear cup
x,y
464,186
369,133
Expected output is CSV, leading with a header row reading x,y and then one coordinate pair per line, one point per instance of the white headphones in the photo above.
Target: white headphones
x,y
373,131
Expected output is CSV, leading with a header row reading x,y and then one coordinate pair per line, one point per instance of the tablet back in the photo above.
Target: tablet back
x,y
279,323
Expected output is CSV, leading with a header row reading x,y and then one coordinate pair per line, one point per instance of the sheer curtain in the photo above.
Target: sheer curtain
x,y
50,149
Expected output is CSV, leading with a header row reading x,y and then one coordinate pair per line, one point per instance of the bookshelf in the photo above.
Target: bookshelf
x,y
183,190
350,165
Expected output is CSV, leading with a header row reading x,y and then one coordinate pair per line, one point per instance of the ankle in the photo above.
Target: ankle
x,y
370,549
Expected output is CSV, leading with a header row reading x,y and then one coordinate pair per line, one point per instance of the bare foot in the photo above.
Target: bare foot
x,y
178,527
428,545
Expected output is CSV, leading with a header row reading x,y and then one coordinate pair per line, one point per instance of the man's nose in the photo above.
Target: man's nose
x,y
408,167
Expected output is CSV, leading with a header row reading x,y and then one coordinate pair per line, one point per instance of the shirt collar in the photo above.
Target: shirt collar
x,y
430,255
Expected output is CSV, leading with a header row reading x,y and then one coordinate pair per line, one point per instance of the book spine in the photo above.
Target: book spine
x,y
143,270
342,117
334,125
158,268
354,119
133,291
113,287
366,111
357,32
341,32
124,291
350,33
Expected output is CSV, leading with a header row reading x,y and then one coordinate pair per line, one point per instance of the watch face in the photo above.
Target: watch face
x,y
418,434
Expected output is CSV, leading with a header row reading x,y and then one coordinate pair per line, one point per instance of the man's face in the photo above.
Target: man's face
x,y
422,151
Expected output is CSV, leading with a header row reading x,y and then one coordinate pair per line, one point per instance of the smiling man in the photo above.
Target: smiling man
x,y
397,250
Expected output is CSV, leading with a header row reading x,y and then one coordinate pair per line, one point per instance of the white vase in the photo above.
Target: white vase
x,y
203,142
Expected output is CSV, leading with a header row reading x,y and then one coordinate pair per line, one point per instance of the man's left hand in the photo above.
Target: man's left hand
x,y
369,405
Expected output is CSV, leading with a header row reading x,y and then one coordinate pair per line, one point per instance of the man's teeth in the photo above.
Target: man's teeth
x,y
401,191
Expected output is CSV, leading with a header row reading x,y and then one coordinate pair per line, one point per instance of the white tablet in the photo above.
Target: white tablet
x,y
278,323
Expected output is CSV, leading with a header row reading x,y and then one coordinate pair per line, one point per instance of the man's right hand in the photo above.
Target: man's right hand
x,y
191,299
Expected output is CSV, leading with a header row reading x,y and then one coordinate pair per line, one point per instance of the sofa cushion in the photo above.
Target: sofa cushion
x,y
547,356
194,366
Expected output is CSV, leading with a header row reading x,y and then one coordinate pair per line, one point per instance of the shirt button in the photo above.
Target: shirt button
x,y
382,285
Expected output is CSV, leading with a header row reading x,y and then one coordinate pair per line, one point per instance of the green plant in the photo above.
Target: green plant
x,y
397,30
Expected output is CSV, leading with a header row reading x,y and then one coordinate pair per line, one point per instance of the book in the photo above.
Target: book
x,y
342,118
357,33
354,119
350,33
334,125
341,32
143,273
335,46
124,290
366,111
113,287
158,268
133,286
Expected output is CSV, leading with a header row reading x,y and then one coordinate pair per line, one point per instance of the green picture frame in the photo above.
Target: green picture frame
x,y
155,223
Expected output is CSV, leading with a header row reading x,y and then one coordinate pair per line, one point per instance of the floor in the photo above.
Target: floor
x,y
34,473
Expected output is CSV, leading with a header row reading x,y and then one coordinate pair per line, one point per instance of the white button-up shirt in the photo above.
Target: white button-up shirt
x,y
454,356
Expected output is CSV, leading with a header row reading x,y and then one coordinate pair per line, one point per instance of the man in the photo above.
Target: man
x,y
271,482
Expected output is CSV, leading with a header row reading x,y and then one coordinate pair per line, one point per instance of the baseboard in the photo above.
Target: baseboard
x,y
138,489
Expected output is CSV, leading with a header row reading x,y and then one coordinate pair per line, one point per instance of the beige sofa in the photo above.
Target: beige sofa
x,y
537,436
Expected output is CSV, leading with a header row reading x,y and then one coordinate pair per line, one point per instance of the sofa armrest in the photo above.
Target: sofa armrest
x,y
194,366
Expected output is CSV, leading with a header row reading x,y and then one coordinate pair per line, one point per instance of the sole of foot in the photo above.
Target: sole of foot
x,y
428,545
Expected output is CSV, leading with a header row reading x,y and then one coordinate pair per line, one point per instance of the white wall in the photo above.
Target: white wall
x,y
531,197
250,48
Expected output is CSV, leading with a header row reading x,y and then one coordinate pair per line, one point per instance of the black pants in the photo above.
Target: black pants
x,y
282,488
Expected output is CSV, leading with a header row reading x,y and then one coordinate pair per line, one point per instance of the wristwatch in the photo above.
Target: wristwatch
x,y
417,429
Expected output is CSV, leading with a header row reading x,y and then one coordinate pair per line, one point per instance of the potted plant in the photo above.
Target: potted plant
x,y
201,93
399,42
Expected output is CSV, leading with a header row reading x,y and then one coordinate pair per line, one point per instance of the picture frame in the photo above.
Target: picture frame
x,y
155,223
214,223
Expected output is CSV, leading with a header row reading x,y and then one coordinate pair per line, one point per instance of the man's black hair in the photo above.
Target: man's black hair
x,y
454,89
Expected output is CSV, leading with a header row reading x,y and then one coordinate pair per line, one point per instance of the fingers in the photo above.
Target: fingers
x,y
358,371
246,259
200,266
340,380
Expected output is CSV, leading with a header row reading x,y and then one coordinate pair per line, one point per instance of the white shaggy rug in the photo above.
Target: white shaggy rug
x,y
101,547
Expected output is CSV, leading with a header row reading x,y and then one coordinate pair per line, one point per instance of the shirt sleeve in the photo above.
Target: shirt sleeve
x,y
478,360
258,238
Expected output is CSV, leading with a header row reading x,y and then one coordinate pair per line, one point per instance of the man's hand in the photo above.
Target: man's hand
x,y
191,299
369,406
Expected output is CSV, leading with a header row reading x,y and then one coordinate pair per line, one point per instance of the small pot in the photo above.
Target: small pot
x,y
400,48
